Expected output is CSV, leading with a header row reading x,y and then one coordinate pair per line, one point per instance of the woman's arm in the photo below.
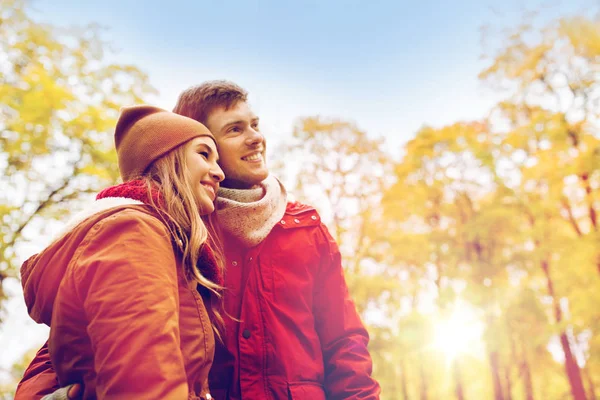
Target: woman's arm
x,y
127,282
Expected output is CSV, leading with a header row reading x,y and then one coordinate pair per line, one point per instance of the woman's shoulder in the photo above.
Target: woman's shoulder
x,y
116,225
132,219
106,212
132,213
132,236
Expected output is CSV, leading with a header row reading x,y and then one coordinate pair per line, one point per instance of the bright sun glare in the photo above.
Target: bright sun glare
x,y
459,333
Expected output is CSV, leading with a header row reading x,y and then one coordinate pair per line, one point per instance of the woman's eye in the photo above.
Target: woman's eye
x,y
204,154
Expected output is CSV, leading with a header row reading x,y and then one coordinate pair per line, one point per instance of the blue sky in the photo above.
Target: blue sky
x,y
390,66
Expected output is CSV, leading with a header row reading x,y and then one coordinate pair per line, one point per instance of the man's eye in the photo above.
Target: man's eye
x,y
255,127
235,129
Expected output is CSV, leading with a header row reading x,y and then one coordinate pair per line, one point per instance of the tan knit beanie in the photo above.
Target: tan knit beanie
x,y
145,133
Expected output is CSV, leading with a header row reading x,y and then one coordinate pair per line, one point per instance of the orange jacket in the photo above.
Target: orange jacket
x,y
124,322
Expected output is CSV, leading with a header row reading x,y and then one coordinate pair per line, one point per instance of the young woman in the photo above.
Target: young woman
x,y
130,290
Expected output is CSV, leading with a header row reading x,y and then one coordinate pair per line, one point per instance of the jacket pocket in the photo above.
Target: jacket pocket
x,y
306,391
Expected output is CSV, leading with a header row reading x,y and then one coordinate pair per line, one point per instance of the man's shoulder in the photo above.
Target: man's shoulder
x,y
299,209
296,207
300,215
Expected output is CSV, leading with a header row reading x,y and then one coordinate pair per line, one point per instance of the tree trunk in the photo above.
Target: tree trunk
x,y
573,372
508,383
403,383
514,361
424,389
590,382
527,381
589,197
458,386
571,367
495,366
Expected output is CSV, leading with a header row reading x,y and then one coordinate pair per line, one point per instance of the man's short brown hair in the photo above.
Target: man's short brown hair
x,y
198,101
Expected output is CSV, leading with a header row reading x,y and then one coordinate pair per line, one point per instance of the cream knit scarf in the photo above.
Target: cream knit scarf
x,y
250,214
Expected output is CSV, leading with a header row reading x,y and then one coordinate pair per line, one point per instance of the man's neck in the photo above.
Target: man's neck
x,y
237,185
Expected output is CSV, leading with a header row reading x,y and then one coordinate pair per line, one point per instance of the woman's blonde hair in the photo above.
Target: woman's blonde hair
x,y
190,230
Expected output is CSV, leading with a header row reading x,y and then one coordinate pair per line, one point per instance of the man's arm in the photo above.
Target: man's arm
x,y
39,378
344,339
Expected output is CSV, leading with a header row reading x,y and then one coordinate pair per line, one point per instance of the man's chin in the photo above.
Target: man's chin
x,y
256,176
245,182
256,180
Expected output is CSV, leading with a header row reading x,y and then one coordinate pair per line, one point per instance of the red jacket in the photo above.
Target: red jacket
x,y
300,336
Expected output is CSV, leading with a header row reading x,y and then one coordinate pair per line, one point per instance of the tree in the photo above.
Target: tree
x,y
553,140
59,100
7,390
344,172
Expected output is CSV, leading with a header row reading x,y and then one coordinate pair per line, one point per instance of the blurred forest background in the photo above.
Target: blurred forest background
x,y
473,253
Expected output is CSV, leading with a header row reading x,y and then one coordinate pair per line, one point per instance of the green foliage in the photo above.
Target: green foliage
x,y
59,103
344,171
499,215
7,389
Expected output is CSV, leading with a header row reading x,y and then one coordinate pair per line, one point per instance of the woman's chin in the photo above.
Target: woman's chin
x,y
206,207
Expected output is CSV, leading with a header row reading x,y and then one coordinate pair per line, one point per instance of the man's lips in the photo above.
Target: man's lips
x,y
254,157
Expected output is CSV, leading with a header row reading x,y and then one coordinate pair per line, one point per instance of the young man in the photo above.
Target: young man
x,y
295,332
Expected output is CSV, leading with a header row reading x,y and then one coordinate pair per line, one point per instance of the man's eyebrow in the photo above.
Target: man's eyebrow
x,y
239,121
227,125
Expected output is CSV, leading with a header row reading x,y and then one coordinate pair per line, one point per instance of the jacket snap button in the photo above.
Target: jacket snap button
x,y
296,220
234,263
246,333
282,222
314,217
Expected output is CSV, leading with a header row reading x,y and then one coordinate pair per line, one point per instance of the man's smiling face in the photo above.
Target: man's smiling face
x,y
241,145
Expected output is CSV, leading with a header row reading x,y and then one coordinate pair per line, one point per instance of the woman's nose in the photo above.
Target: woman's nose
x,y
217,173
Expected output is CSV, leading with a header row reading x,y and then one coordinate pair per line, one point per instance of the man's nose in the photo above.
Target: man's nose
x,y
254,137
